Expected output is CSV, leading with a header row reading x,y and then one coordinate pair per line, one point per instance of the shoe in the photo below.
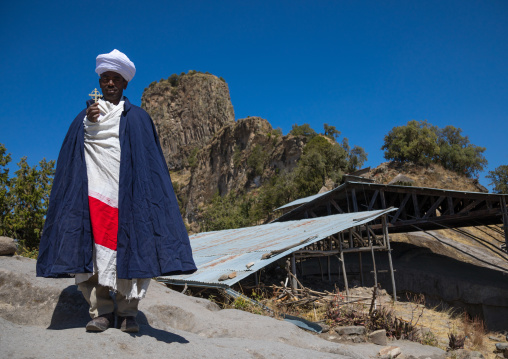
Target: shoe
x,y
128,324
100,323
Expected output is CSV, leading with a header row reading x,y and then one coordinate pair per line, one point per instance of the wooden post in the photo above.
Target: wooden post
x,y
294,285
387,240
320,267
361,266
344,269
505,220
328,260
373,258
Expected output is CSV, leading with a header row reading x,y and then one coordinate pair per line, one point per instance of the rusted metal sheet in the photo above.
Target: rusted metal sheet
x,y
242,250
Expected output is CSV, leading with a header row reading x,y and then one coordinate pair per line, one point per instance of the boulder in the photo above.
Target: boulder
x,y
351,330
7,246
466,354
389,352
501,346
400,178
378,337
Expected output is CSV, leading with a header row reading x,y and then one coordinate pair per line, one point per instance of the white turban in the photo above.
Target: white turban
x,y
115,61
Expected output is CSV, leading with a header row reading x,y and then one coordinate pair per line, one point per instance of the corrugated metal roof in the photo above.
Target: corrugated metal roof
x,y
224,252
303,200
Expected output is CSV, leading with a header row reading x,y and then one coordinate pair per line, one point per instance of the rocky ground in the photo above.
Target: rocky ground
x,y
42,318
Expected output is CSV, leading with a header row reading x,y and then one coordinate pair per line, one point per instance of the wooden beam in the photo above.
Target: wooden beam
x,y
363,249
434,207
337,207
469,206
373,200
415,205
383,199
401,208
451,206
353,198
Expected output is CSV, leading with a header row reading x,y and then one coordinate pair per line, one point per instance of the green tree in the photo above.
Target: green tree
x,y
257,160
421,143
279,190
356,158
5,158
29,197
230,211
416,142
173,80
499,179
303,130
457,154
320,160
331,132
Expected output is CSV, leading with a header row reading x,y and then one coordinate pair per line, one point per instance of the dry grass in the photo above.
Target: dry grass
x,y
433,176
441,321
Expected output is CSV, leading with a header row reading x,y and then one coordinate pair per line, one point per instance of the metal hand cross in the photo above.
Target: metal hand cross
x,y
96,95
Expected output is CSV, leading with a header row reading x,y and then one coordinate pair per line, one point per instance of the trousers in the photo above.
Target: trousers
x,y
101,302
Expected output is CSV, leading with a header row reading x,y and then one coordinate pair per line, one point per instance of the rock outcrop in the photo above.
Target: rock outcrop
x,y
205,149
187,111
240,157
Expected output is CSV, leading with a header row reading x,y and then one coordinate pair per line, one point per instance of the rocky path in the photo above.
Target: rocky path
x,y
42,318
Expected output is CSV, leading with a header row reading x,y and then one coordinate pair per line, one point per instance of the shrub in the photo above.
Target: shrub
x,y
173,80
193,159
499,179
303,130
257,160
237,156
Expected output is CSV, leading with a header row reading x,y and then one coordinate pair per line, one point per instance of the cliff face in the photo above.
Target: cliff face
x,y
240,157
187,111
205,149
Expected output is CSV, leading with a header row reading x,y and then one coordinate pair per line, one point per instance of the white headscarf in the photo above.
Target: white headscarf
x,y
115,61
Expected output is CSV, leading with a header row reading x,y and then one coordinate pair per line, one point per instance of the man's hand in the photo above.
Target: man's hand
x,y
92,112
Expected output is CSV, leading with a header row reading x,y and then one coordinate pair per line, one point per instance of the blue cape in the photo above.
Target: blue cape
x,y
152,238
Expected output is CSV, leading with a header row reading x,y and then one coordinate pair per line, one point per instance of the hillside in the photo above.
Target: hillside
x,y
432,176
207,151
210,154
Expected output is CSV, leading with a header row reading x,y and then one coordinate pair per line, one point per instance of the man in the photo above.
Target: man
x,y
113,220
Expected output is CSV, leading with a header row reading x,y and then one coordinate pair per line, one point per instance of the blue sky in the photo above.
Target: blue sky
x,y
362,66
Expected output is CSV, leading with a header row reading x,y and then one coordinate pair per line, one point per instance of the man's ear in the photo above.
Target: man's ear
x,y
125,84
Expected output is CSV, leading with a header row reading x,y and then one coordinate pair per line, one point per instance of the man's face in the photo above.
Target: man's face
x,y
112,85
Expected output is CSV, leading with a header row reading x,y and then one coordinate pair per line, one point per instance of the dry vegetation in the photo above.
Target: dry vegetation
x,y
409,319
432,176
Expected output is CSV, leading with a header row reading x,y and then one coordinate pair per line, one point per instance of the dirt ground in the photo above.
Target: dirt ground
x,y
441,321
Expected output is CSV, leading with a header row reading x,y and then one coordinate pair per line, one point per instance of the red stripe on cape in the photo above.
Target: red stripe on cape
x,y
104,223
